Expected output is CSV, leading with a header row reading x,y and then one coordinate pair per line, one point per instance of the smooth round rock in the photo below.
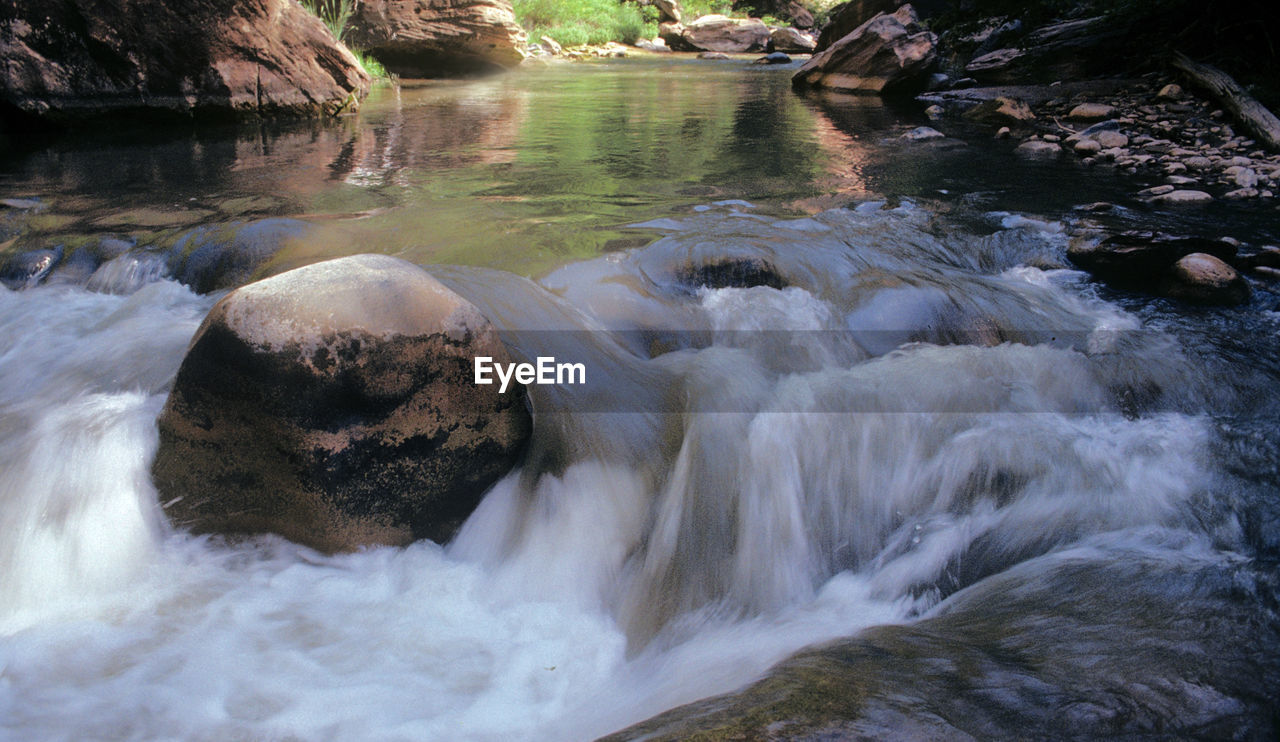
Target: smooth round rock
x,y
1091,112
1183,198
335,405
1204,279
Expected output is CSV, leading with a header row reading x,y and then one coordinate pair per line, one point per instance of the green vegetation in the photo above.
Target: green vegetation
x,y
371,65
577,22
334,13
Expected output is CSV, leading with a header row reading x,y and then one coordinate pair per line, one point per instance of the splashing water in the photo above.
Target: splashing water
x,y
754,470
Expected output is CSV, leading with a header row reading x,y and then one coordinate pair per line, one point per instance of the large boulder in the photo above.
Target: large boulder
x,y
335,405
71,58
888,54
717,33
427,38
1077,49
847,16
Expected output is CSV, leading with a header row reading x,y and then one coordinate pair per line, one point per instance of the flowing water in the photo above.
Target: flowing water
x,y
907,411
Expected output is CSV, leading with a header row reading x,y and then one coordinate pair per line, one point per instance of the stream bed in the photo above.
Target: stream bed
x,y
978,491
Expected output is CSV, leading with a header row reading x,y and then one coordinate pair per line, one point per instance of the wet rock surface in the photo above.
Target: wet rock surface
x,y
335,405
996,662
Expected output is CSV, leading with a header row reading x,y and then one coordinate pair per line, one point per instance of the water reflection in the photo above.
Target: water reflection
x,y
522,172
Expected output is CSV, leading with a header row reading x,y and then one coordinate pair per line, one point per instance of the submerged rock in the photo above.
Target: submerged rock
x,y
336,406
427,38
731,272
28,269
888,54
244,57
774,58
214,258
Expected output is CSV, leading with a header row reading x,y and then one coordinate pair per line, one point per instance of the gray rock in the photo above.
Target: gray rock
x,y
28,269
1240,194
1037,149
1172,91
774,58
1110,139
1183,198
336,406
923,134
1159,190
935,112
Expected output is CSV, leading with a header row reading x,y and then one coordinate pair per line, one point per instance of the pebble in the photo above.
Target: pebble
x,y
1159,190
934,112
1173,168
1180,180
1172,91
1241,193
1004,132
1198,163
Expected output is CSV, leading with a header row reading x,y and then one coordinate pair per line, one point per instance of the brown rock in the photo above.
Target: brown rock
x,y
790,40
1002,111
1204,279
335,405
717,33
888,54
73,58
1091,112
850,15
426,38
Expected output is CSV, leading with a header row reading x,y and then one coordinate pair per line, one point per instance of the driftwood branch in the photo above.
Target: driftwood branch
x,y
1261,124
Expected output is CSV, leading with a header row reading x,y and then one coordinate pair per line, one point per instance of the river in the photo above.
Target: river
x,y
917,417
